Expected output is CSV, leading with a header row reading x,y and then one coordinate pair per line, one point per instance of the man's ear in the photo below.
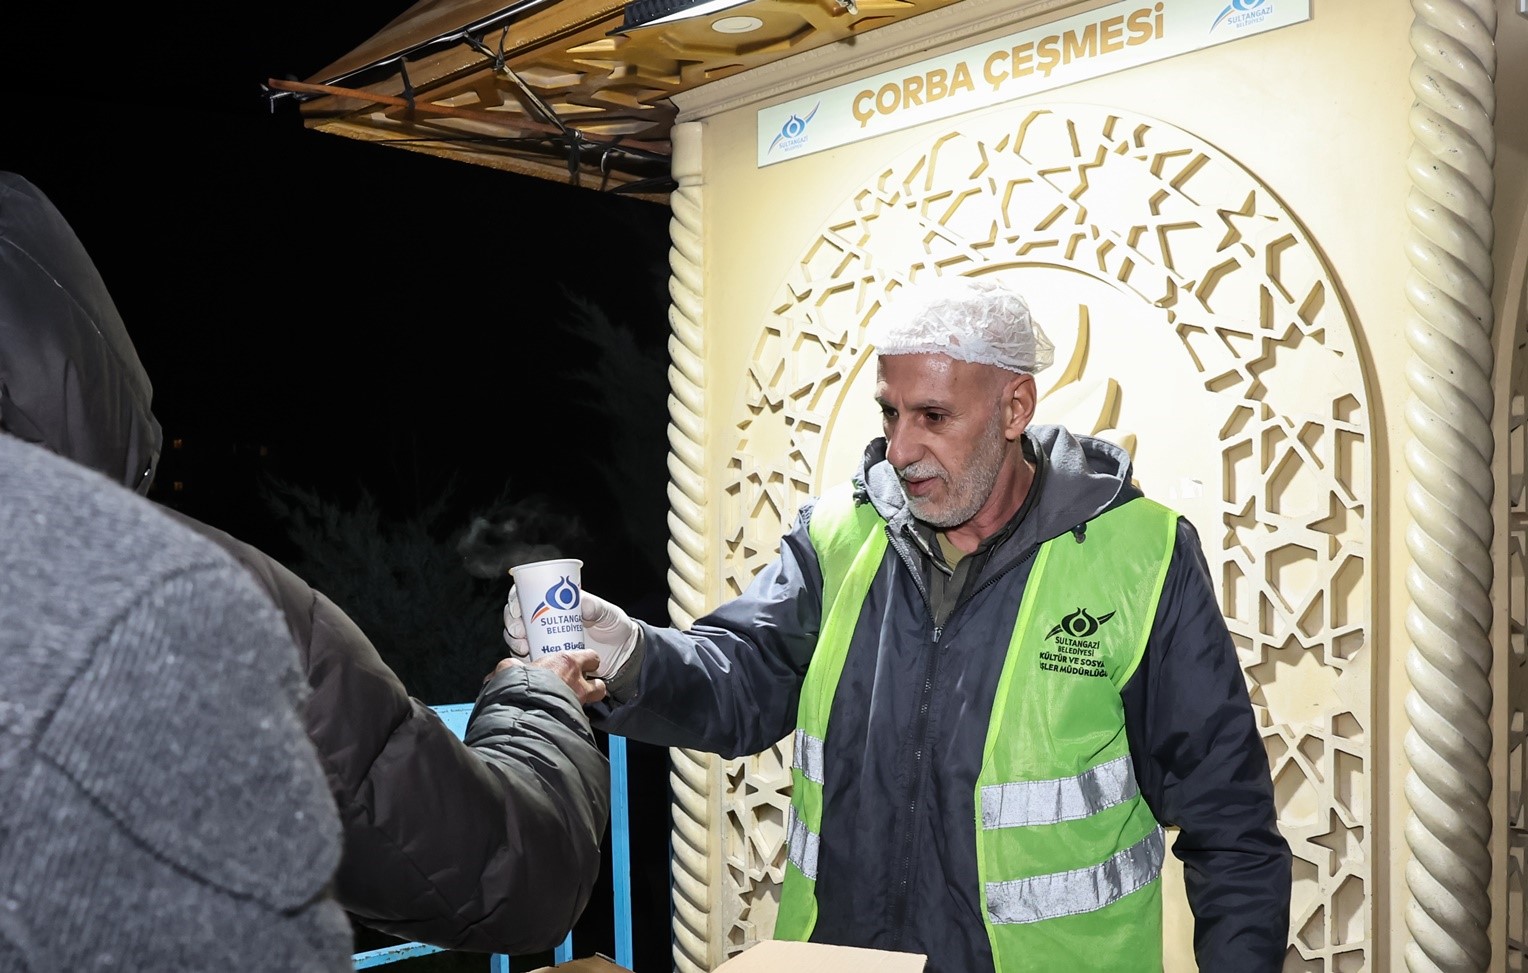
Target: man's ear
x,y
1019,396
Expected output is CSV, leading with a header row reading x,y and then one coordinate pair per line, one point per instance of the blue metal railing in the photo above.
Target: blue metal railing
x,y
455,716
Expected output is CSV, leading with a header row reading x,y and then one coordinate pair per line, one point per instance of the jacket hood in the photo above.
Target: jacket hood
x,y
1084,477
70,379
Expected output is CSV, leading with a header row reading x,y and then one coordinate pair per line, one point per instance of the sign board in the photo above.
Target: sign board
x,y
1087,45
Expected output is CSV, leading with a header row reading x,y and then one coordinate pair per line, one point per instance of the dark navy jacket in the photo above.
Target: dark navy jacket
x,y
898,856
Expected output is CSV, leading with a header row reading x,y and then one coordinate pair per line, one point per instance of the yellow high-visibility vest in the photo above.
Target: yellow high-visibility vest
x,y
1068,854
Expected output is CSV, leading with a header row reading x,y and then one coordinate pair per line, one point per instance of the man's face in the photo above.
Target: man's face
x,y
946,432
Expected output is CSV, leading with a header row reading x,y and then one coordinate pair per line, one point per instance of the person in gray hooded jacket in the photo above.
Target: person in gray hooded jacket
x,y
160,806
491,843
983,762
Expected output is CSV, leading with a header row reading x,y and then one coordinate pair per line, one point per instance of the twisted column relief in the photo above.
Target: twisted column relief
x,y
1196,323
1449,450
690,774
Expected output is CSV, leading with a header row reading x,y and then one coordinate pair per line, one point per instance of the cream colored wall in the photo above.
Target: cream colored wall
x,y
1252,99
1317,112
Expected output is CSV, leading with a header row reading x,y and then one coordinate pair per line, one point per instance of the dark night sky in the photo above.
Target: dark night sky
x,y
370,315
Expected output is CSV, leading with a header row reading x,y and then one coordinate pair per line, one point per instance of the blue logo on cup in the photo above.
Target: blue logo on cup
x,y
562,596
793,132
1243,13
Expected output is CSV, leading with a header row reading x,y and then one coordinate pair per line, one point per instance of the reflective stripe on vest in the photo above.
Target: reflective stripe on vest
x,y
1080,890
802,847
802,841
1028,802
1069,856
807,756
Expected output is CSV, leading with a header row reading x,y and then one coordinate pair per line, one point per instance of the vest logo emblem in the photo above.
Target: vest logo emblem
x,y
1073,649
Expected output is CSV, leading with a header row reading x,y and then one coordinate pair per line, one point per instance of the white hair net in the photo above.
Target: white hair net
x,y
974,319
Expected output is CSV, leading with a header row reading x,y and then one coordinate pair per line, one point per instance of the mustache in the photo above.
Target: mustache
x,y
925,470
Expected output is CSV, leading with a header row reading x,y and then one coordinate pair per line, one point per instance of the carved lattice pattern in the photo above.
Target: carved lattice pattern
x,y
1155,253
1517,659
1517,671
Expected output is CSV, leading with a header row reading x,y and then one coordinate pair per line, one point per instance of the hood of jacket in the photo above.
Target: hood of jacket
x,y
1083,478
70,379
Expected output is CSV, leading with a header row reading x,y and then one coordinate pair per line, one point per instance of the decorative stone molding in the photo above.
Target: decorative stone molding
x,y
1197,322
1448,413
690,774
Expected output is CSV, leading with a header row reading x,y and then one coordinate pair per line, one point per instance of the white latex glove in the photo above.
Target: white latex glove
x,y
608,630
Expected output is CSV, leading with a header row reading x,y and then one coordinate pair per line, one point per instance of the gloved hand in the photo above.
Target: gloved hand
x,y
608,630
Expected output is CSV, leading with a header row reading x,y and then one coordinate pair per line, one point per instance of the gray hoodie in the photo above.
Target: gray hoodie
x,y
160,806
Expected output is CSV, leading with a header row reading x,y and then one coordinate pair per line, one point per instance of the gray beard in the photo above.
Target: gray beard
x,y
973,488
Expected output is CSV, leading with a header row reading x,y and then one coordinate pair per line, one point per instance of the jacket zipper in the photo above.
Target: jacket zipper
x,y
900,901
1028,556
900,921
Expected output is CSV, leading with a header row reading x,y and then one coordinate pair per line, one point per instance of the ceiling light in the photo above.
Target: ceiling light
x,y
654,13
742,25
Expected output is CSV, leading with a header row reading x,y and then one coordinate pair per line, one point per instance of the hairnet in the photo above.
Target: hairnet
x,y
974,319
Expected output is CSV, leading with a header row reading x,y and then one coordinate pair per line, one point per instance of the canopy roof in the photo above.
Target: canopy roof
x,y
548,88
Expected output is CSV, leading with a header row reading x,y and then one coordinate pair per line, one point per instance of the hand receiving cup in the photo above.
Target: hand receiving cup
x,y
549,593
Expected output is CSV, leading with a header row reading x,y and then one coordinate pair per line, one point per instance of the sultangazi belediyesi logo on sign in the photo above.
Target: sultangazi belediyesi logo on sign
x,y
1240,14
793,133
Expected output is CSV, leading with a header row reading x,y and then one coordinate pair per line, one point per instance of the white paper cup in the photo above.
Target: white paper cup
x,y
550,594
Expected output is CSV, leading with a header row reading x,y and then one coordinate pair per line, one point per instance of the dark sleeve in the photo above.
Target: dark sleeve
x,y
730,684
490,844
1203,768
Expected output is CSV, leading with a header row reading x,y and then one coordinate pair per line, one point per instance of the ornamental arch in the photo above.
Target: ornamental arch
x,y
1511,636
1197,323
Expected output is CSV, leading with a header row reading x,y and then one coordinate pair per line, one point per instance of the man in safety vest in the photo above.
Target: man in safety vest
x,y
1004,671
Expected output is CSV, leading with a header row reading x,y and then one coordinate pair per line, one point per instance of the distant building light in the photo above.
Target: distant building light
x,y
264,451
177,443
177,486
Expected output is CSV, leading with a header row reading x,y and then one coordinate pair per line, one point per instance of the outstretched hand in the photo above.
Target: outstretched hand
x,y
608,630
576,669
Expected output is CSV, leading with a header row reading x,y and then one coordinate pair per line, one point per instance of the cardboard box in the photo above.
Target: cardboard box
x,y
589,964
776,956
